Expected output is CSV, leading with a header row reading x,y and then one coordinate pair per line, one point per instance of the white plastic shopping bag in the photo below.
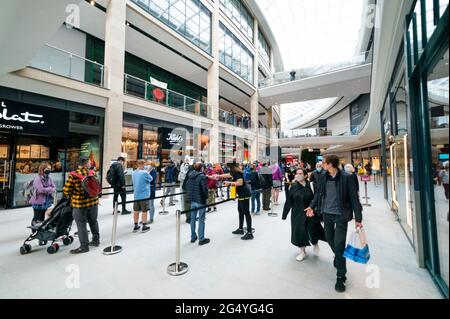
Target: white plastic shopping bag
x,y
357,248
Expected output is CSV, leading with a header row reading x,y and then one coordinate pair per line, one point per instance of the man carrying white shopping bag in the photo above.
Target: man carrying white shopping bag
x,y
337,199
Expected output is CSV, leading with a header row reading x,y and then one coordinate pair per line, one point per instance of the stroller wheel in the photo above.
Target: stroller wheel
x,y
28,248
66,241
53,249
71,239
23,250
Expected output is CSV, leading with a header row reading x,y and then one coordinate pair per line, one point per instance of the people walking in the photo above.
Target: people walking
x,y
349,169
142,189
266,185
289,178
42,196
196,186
277,177
305,231
85,208
315,175
116,178
337,199
170,179
256,190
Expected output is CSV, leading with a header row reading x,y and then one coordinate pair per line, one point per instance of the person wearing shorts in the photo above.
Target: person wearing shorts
x,y
141,185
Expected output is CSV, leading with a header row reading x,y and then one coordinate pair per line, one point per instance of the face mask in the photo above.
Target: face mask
x,y
319,169
47,172
299,178
348,170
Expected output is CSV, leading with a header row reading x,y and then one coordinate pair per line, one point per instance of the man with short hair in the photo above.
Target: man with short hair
x,y
266,185
336,198
141,185
169,179
85,208
119,184
315,175
196,185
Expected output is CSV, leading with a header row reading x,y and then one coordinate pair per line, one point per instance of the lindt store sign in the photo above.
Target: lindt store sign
x,y
27,118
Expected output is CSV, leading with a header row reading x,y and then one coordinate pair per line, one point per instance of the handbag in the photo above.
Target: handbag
x,y
357,248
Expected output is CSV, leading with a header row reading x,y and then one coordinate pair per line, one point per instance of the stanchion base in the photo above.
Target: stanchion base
x,y
173,271
164,213
108,251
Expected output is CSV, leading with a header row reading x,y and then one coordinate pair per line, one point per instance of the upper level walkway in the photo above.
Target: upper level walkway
x,y
228,268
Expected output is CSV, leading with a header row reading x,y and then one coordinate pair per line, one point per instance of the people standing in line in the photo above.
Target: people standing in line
x,y
118,184
42,197
219,171
256,190
289,178
306,231
277,177
196,185
184,171
85,208
349,169
244,194
141,184
315,175
337,199
170,176
266,185
212,187
368,168
150,168
443,178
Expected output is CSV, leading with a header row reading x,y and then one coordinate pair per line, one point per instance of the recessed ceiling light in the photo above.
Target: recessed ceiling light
x,y
92,3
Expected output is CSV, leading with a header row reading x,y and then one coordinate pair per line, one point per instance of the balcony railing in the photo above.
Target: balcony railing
x,y
322,132
61,62
243,122
440,122
300,74
146,90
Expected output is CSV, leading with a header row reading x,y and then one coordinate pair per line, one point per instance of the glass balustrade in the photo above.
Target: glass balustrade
x,y
61,62
145,90
295,75
321,132
243,122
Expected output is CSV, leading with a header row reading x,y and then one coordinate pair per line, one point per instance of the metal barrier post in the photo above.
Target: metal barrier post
x,y
164,212
178,268
272,213
366,197
113,249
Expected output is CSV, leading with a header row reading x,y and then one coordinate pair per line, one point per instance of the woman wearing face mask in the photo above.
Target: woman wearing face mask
x,y
349,169
305,230
42,197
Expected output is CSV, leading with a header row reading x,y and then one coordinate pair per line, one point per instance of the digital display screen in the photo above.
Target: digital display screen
x,y
443,157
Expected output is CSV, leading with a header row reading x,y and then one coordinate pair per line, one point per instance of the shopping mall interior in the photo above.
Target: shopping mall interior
x,y
223,82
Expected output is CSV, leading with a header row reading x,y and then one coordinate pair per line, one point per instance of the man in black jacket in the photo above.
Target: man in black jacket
x,y
119,184
196,186
266,185
337,199
315,175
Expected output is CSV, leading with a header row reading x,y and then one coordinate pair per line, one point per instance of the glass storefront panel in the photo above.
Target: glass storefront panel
x,y
130,143
440,150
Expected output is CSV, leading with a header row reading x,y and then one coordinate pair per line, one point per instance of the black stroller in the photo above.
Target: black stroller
x,y
56,227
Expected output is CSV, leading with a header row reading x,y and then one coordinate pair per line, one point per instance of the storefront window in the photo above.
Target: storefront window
x,y
130,143
440,159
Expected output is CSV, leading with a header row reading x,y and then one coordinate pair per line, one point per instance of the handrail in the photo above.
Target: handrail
x,y
322,132
73,54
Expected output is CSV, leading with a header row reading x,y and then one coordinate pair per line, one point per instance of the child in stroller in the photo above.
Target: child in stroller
x,y
56,227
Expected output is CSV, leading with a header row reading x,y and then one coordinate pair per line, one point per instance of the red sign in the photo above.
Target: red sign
x,y
158,94
365,178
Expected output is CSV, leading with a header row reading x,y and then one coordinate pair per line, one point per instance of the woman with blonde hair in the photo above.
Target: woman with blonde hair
x,y
42,198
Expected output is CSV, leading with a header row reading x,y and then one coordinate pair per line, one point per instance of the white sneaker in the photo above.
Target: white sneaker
x,y
316,249
301,256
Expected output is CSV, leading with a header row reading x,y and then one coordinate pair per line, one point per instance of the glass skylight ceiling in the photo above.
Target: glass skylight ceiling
x,y
311,33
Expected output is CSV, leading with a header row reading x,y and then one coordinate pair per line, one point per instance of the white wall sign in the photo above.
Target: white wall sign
x,y
157,83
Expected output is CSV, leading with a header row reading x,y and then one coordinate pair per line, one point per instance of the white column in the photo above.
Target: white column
x,y
254,102
213,86
115,65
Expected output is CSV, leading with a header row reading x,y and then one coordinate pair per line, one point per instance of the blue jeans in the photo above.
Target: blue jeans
x,y
151,208
201,221
256,200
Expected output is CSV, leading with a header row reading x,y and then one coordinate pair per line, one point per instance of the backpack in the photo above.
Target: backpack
x,y
28,190
89,183
111,176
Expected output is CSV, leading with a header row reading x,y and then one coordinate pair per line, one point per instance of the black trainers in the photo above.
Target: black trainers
x,y
94,243
205,241
193,241
340,285
145,229
79,250
136,228
248,236
238,232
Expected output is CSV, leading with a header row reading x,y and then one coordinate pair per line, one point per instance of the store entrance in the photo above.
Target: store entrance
x,y
6,170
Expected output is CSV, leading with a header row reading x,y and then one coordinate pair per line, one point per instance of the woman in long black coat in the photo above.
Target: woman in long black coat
x,y
305,230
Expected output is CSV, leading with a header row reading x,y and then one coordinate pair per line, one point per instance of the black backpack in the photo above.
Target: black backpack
x,y
111,176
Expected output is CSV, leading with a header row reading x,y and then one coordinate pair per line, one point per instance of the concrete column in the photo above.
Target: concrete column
x,y
254,102
269,118
213,87
115,65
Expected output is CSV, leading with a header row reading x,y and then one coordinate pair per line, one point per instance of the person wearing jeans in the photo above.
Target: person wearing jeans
x,y
256,190
196,186
337,199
